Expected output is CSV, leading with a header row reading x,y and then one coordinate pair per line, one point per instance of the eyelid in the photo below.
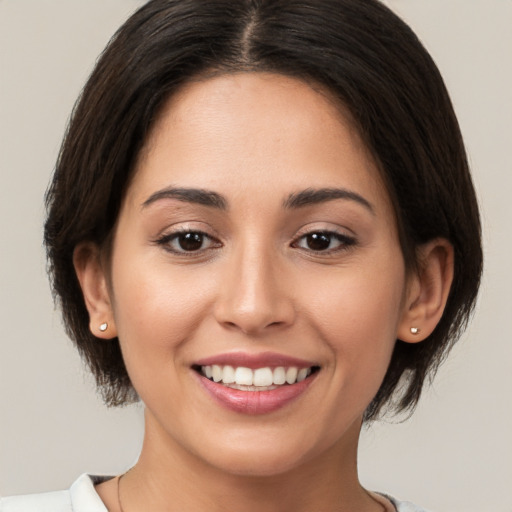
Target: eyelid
x,y
187,226
346,241
170,235
325,227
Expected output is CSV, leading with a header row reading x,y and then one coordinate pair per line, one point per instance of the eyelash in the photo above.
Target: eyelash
x,y
165,241
345,241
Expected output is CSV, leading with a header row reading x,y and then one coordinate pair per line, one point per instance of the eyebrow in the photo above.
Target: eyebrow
x,y
189,195
312,196
296,200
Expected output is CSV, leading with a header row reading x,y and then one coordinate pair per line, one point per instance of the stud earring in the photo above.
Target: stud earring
x,y
103,327
415,330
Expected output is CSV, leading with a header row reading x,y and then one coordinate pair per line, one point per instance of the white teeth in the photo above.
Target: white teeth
x,y
291,375
263,377
244,376
303,373
216,373
260,377
228,375
279,375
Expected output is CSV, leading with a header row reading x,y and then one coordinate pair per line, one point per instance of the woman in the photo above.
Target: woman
x,y
255,226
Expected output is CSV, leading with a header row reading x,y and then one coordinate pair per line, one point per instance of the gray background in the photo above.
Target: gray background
x,y
454,454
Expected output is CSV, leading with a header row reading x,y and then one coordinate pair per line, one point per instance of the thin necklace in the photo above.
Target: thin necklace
x,y
121,507
118,492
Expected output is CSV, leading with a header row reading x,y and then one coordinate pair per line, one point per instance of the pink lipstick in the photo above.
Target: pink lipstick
x,y
255,383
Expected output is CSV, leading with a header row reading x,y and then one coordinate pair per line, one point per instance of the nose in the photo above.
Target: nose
x,y
255,295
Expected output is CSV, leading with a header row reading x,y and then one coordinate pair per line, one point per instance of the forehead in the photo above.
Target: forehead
x,y
258,130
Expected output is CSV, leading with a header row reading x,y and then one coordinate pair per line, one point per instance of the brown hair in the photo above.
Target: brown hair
x,y
362,53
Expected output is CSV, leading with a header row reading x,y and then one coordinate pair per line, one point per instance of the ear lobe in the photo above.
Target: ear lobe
x,y
91,274
428,291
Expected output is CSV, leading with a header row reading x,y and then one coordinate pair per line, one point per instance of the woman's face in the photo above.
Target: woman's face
x,y
256,234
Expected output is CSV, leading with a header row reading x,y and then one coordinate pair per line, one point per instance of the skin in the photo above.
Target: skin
x,y
255,285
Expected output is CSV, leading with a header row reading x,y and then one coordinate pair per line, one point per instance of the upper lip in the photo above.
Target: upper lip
x,y
253,361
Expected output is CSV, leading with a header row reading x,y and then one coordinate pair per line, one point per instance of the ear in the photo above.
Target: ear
x,y
89,268
427,292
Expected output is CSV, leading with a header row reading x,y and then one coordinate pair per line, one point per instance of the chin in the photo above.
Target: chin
x,y
260,457
259,464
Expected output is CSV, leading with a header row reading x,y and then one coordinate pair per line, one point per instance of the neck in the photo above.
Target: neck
x,y
167,477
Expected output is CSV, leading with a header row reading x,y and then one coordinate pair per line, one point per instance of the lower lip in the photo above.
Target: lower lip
x,y
255,402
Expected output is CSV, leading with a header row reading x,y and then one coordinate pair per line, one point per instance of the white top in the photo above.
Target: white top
x,y
82,497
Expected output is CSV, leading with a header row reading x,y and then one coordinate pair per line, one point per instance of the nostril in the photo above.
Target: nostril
x,y
251,312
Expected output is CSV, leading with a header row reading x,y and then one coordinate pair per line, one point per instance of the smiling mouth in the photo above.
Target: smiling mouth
x,y
258,379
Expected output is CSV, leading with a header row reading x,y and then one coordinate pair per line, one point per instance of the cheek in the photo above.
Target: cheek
x,y
357,314
157,310
157,315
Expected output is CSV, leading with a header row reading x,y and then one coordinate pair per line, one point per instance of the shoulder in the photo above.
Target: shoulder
x,y
81,497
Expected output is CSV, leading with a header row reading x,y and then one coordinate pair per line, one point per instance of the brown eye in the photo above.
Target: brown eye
x,y
190,241
324,241
186,242
318,241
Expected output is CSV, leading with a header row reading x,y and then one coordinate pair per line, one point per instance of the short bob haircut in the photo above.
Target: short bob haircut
x,y
360,52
